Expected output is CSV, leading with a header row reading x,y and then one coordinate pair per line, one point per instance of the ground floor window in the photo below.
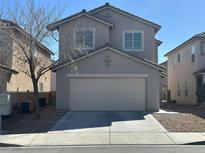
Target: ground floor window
x,y
186,92
178,89
186,89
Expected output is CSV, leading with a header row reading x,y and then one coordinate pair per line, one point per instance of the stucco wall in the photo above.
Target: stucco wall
x,y
53,81
105,34
183,71
123,22
66,33
201,57
119,65
21,82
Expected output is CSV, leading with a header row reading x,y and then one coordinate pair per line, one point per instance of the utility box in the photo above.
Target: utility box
x,y
5,104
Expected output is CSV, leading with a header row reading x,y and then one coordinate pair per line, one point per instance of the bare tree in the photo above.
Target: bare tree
x,y
28,31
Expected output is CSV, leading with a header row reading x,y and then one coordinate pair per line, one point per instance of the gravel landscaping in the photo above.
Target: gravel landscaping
x,y
188,119
23,123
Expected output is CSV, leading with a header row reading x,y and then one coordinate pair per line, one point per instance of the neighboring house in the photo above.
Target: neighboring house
x,y
5,74
164,82
120,71
13,81
186,65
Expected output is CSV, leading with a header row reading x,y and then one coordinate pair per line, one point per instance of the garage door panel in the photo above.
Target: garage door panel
x,y
107,94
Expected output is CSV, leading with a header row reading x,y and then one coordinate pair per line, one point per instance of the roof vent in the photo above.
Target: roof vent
x,y
84,11
107,4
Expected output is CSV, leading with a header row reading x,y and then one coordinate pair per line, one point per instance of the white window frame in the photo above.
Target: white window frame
x,y
133,31
83,29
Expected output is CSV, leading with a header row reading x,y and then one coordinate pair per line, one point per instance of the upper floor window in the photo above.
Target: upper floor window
x,y
193,54
185,89
203,48
179,58
84,38
133,40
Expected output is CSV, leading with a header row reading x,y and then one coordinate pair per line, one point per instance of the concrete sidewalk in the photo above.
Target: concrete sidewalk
x,y
104,128
73,138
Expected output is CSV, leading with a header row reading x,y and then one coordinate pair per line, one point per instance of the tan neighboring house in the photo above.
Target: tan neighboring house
x,y
13,81
186,70
164,82
118,70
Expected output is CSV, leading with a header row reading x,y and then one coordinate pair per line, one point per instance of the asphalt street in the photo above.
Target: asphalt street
x,y
108,148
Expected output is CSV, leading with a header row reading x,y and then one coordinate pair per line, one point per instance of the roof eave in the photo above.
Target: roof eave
x,y
156,26
54,26
10,70
151,64
180,46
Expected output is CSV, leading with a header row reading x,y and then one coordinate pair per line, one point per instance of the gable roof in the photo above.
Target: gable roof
x,y
107,5
196,36
103,48
13,25
55,25
8,69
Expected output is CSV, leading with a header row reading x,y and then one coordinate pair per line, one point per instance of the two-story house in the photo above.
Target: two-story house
x,y
186,69
12,79
107,61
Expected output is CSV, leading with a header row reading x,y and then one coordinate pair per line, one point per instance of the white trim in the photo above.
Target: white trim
x,y
100,50
131,16
132,31
107,75
83,29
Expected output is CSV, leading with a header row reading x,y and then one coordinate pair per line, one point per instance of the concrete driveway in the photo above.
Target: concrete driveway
x,y
108,122
104,128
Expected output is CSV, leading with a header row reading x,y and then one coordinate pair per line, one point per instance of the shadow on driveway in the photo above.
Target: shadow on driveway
x,y
82,120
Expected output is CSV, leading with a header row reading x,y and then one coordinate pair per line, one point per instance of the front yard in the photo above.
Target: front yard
x,y
185,119
23,123
176,119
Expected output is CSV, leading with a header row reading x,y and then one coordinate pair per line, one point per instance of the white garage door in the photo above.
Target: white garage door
x,y
107,94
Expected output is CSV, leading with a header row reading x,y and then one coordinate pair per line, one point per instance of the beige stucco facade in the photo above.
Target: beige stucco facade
x,y
108,26
120,65
122,23
19,83
180,74
105,34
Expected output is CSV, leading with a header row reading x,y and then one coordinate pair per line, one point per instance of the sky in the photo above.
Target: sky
x,y
179,19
